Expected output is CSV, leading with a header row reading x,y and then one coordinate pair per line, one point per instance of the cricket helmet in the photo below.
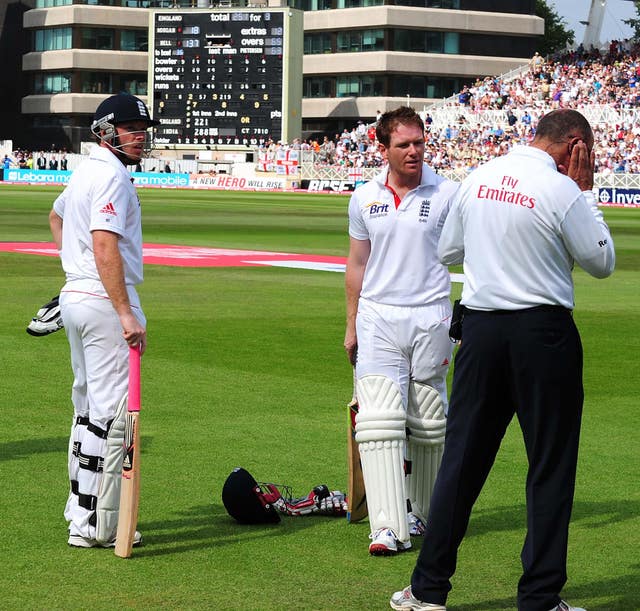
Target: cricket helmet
x,y
245,500
121,108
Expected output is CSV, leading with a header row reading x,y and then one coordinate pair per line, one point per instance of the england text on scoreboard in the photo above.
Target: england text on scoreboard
x,y
218,76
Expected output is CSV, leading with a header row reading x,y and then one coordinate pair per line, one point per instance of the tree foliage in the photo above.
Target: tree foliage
x,y
634,22
557,34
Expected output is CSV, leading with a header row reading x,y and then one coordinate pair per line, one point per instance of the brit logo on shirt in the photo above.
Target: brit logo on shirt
x,y
377,209
425,206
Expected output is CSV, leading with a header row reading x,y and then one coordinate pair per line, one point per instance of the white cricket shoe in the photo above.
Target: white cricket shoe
x,y
80,541
405,600
563,606
417,527
385,543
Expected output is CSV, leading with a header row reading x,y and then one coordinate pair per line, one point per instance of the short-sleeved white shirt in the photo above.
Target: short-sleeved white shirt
x,y
100,196
520,224
403,267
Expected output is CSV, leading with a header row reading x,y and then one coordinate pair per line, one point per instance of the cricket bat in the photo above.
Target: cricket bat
x,y
130,484
356,496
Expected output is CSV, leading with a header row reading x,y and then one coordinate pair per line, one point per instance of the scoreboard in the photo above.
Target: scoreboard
x,y
226,77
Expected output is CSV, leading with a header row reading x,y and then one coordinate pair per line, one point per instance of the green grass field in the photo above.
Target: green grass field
x,y
245,367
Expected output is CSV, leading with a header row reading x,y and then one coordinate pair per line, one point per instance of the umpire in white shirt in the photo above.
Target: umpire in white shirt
x,y
518,224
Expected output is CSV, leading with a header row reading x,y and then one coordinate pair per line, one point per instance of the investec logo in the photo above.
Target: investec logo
x,y
377,209
624,197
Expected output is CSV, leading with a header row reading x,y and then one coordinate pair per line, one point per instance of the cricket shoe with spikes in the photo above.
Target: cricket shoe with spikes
x,y
80,541
563,606
406,601
385,543
417,527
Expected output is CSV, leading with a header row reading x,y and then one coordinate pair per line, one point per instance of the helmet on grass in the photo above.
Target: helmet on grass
x,y
246,501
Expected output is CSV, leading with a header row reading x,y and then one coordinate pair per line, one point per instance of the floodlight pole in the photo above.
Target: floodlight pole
x,y
594,24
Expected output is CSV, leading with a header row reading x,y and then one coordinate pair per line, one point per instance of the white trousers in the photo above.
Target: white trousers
x,y
100,363
405,343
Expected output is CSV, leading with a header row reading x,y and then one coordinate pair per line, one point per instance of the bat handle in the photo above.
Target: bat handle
x,y
133,404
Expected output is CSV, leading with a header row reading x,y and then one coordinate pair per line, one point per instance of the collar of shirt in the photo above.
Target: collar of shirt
x,y
428,179
101,153
396,197
534,153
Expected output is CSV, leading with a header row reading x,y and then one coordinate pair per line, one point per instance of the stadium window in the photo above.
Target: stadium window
x,y
451,42
358,3
425,41
51,83
446,4
342,45
312,5
52,3
355,41
97,38
96,82
417,87
359,86
134,83
373,40
317,87
342,87
371,86
134,40
53,39
347,86
450,4
423,87
317,43
433,42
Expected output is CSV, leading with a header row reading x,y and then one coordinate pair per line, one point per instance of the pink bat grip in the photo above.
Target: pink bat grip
x,y
133,403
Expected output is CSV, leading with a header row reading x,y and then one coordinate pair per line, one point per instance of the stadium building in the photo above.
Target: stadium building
x,y
360,56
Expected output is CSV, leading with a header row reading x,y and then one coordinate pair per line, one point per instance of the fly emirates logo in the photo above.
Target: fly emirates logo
x,y
506,193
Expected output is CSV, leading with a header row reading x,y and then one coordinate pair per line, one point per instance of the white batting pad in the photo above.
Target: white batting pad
x,y
108,501
427,425
380,433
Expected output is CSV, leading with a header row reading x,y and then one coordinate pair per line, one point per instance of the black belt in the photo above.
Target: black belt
x,y
540,308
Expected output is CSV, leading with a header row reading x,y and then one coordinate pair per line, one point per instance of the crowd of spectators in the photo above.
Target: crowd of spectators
x,y
53,159
573,79
357,147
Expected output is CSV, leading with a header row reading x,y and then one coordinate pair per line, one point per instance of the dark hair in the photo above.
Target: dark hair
x,y
561,123
391,119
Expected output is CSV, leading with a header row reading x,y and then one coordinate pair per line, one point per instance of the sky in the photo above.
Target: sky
x,y
574,11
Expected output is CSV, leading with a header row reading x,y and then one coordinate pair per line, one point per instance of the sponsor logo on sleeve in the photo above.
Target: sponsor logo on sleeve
x,y
108,209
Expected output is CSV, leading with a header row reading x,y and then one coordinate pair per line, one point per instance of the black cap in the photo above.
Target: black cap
x,y
241,497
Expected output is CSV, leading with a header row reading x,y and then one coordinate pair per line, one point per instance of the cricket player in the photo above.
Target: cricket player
x,y
96,224
398,315
519,224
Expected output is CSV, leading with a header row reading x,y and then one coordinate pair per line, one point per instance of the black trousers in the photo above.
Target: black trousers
x,y
528,363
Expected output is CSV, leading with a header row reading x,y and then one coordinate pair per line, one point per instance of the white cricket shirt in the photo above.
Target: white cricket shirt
x,y
519,225
100,195
403,268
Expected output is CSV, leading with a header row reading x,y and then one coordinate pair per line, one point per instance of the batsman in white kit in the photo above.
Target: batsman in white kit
x,y
96,224
397,333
